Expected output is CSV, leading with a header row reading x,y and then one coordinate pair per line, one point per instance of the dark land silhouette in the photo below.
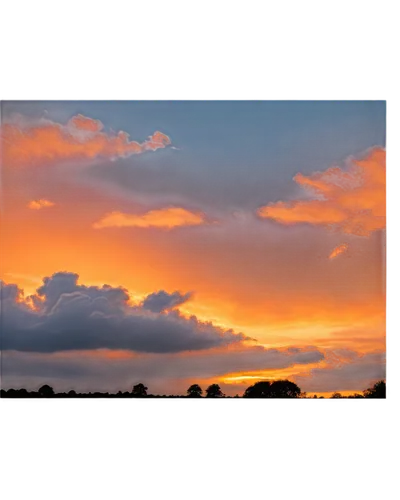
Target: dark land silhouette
x,y
277,389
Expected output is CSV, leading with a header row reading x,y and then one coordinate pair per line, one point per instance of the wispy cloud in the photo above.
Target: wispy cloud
x,y
39,204
166,218
345,370
25,277
338,250
351,200
82,138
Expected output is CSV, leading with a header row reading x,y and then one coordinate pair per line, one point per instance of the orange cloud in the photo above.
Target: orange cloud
x,y
84,123
38,204
81,138
156,141
163,218
352,200
338,250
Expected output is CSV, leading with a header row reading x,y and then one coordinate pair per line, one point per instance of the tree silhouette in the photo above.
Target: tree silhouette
x,y
258,390
262,389
139,391
284,389
276,389
12,393
23,393
194,391
46,391
377,391
355,396
214,391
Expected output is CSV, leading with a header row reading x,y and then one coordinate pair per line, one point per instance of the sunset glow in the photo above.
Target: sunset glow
x,y
180,243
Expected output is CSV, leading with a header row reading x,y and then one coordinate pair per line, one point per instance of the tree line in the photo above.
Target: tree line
x,y
264,389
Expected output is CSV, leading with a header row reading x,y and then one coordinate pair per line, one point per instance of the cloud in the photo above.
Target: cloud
x,y
38,204
346,353
82,138
156,141
91,337
167,218
345,371
162,301
351,200
69,316
168,373
80,122
338,250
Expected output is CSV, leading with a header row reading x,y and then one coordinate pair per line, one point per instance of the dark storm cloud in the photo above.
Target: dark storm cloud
x,y
69,316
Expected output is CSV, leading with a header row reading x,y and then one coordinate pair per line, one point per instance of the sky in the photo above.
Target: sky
x,y
173,243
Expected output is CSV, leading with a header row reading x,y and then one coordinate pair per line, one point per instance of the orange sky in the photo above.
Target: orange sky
x,y
273,278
